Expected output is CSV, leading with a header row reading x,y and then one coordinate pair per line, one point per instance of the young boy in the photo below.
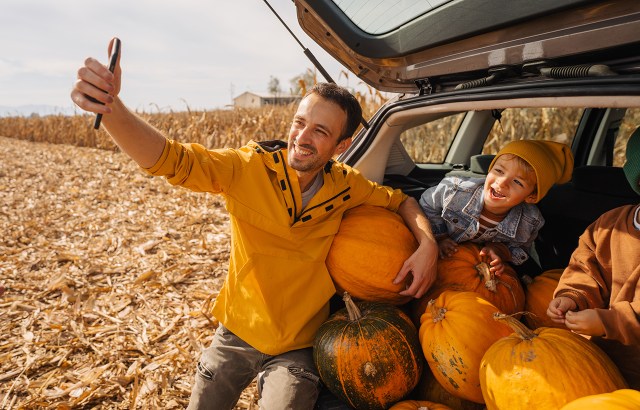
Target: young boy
x,y
599,292
498,210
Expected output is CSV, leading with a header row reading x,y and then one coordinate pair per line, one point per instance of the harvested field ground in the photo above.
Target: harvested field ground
x,y
104,274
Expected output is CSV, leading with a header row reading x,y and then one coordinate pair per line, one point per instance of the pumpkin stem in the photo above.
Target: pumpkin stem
x,y
352,308
518,327
513,295
487,276
437,313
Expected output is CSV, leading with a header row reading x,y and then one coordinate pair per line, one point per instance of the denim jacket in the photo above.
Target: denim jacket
x,y
453,207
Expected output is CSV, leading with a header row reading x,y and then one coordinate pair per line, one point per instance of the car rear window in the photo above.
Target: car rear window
x,y
429,143
553,124
383,16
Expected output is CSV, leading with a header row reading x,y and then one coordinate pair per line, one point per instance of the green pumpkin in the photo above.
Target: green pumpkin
x,y
368,354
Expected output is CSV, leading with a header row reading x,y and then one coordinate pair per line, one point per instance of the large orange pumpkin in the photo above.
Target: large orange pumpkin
x,y
368,354
623,399
367,253
455,331
419,405
544,369
538,294
466,270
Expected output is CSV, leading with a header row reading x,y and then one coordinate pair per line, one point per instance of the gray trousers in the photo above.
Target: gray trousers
x,y
286,381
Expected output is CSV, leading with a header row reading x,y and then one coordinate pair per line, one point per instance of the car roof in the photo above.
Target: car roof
x,y
392,46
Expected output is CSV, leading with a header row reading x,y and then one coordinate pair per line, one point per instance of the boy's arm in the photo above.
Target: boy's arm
x,y
621,321
422,264
519,252
582,280
431,202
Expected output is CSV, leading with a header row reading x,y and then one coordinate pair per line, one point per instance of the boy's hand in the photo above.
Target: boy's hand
x,y
558,308
585,322
495,261
447,247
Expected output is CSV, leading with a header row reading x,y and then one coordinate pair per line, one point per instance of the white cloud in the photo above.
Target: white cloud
x,y
194,50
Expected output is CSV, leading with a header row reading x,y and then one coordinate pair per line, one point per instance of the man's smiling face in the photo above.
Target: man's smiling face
x,y
313,137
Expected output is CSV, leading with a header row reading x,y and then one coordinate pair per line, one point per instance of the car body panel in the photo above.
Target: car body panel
x,y
463,40
472,75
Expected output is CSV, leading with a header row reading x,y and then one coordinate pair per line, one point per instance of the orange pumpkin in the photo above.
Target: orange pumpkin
x,y
455,331
466,270
430,389
623,399
419,405
367,253
544,369
538,294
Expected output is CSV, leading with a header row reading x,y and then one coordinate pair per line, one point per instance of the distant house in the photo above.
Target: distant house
x,y
254,100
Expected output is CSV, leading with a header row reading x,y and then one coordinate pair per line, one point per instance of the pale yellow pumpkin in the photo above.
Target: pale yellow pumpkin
x,y
623,399
367,253
544,369
455,331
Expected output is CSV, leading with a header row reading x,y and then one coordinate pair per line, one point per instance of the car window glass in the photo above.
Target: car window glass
x,y
554,124
428,143
382,16
629,123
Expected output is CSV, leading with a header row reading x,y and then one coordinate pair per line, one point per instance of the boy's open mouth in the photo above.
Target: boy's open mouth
x,y
495,194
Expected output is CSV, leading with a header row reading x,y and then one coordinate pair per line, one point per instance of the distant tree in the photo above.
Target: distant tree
x,y
274,86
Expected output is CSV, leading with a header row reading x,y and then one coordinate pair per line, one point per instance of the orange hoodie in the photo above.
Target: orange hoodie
x,y
604,274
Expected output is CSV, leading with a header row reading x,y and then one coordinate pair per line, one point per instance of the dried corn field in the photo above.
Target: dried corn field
x,y
104,273
217,128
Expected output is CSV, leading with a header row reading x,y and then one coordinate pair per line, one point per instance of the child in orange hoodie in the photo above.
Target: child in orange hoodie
x,y
599,292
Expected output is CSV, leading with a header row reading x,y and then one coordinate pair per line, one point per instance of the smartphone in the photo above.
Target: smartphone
x,y
115,52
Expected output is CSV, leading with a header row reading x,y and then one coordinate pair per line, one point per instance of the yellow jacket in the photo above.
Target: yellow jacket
x,y
276,294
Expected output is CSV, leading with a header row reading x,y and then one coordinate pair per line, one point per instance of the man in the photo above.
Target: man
x,y
285,204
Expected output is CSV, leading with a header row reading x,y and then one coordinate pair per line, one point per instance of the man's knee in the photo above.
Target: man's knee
x,y
223,371
289,385
214,388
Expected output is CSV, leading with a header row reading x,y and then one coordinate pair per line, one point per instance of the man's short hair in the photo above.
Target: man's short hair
x,y
345,100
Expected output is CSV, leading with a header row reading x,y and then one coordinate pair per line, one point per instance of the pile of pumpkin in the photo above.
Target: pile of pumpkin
x,y
486,340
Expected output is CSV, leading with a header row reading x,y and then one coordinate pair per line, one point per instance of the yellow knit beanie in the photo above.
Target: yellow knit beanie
x,y
632,165
551,161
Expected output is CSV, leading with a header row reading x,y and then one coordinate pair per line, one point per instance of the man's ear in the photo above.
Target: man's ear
x,y
342,146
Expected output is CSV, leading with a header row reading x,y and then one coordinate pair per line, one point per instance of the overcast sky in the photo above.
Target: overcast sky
x,y
199,53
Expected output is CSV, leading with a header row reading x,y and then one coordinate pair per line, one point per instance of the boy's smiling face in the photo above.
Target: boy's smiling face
x,y
509,183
